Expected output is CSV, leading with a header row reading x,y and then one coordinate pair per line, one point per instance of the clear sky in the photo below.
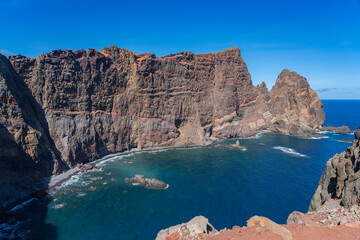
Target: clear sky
x,y
319,39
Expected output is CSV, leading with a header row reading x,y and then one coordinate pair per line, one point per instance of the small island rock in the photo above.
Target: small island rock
x,y
150,183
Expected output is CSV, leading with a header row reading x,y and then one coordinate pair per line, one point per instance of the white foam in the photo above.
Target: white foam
x,y
22,205
103,163
167,186
322,132
289,151
256,136
81,194
317,138
157,151
58,206
95,178
135,184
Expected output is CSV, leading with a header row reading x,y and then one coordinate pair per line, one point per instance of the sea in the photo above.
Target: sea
x,y
275,176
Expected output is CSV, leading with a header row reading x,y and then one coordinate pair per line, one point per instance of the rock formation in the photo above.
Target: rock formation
x,y
237,146
341,178
341,129
150,183
74,107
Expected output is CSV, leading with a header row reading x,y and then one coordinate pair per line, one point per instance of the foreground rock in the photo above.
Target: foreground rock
x,y
342,129
194,229
263,224
341,178
261,228
150,183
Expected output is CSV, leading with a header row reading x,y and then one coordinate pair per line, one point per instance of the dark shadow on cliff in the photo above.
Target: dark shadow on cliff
x,y
17,171
27,154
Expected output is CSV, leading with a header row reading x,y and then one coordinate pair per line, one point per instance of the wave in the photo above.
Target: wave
x,y
21,205
256,136
289,151
317,138
58,206
81,194
10,230
322,132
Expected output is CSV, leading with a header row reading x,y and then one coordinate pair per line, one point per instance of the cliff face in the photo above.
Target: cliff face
x,y
90,103
341,178
27,151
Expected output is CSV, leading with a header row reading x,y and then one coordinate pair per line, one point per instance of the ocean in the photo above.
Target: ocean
x,y
276,175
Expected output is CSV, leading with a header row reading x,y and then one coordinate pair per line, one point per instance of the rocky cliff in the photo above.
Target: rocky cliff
x,y
27,152
341,178
67,107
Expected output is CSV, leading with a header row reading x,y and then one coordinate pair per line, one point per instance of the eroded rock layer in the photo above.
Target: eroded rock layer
x,y
92,103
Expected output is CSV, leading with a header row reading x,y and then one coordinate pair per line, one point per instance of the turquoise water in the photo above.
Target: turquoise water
x,y
227,186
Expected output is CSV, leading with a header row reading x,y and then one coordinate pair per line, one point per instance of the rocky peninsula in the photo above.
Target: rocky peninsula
x,y
69,107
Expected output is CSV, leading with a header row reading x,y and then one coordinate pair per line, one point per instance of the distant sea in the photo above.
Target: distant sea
x,y
342,112
275,176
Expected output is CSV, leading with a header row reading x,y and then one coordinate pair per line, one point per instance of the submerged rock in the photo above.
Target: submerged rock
x,y
150,183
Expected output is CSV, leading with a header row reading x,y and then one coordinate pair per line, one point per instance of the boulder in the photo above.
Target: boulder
x,y
300,219
264,224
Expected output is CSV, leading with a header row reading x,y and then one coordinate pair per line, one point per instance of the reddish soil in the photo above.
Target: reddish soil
x,y
348,232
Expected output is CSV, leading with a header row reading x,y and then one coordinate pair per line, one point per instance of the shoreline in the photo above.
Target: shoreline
x,y
56,180
51,182
62,178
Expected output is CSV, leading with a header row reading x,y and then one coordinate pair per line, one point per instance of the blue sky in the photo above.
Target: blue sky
x,y
318,39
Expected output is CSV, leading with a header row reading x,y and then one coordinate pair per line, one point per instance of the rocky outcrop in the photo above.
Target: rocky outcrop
x,y
83,105
341,129
341,178
263,224
237,146
150,183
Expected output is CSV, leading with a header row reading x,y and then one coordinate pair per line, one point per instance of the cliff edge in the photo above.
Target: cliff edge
x,y
341,178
